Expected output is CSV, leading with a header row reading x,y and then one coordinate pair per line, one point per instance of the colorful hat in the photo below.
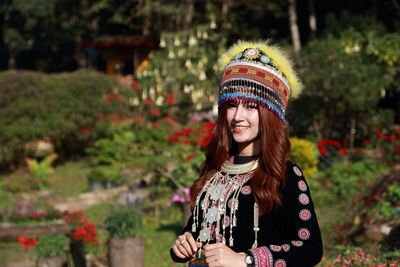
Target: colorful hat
x,y
258,72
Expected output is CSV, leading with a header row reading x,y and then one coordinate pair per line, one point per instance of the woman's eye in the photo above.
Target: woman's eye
x,y
252,106
232,105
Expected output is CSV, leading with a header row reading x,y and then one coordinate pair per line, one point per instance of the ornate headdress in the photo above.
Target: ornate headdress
x,y
258,72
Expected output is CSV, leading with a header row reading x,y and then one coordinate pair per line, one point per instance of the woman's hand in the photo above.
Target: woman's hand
x,y
185,246
219,255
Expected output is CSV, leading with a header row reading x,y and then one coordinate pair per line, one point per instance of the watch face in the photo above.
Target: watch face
x,y
249,260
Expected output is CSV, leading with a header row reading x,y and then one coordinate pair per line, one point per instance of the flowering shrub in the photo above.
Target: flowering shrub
x,y
186,147
180,196
26,242
30,217
82,229
357,257
388,145
303,153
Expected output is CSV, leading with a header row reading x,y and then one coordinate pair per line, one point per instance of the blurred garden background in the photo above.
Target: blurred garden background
x,y
106,106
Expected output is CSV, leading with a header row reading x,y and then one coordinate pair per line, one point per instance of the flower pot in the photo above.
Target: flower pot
x,y
57,261
126,252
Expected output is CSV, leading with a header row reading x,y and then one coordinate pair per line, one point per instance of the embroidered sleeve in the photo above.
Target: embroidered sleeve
x,y
304,245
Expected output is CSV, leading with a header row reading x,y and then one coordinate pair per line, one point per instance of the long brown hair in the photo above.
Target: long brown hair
x,y
268,177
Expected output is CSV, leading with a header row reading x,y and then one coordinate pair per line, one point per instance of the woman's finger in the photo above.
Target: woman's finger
x,y
177,252
191,242
184,251
185,244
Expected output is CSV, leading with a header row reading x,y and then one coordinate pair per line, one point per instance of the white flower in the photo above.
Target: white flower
x,y
213,25
171,55
159,100
205,35
202,76
188,64
186,89
177,42
163,43
192,41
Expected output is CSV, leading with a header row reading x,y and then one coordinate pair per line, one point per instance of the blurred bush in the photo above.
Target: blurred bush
x,y
304,154
70,110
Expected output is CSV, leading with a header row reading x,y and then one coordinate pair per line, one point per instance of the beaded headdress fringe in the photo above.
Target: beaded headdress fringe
x,y
258,72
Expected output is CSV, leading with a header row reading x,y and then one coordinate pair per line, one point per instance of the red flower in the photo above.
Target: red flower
x,y
398,133
322,143
26,242
331,57
135,85
378,134
204,141
186,142
155,112
149,102
139,120
157,124
323,152
342,151
187,131
170,99
367,141
210,125
84,130
390,138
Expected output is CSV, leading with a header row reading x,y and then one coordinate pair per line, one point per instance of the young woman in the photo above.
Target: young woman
x,y
251,205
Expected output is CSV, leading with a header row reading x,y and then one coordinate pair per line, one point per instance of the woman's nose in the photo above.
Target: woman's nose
x,y
239,113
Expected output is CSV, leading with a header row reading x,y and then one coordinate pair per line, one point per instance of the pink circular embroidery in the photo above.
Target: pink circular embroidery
x,y
297,171
304,199
305,214
246,190
280,263
285,247
304,234
297,243
226,222
302,186
219,239
275,248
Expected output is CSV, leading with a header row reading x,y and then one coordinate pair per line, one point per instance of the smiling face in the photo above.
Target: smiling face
x,y
243,121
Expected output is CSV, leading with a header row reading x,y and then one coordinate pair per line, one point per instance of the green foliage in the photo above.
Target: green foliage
x,y
303,153
70,109
348,179
386,206
41,169
106,175
123,223
50,245
345,77
116,149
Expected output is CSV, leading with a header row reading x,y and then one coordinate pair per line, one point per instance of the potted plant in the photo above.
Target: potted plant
x,y
51,250
125,246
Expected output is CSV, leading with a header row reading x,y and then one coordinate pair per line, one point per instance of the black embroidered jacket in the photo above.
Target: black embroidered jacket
x,y
288,236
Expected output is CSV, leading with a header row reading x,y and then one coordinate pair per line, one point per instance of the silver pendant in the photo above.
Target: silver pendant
x,y
212,215
218,191
204,234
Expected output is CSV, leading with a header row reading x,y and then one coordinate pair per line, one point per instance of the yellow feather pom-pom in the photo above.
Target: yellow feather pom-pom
x,y
278,56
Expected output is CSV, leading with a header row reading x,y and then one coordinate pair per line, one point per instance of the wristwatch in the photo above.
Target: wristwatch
x,y
249,260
